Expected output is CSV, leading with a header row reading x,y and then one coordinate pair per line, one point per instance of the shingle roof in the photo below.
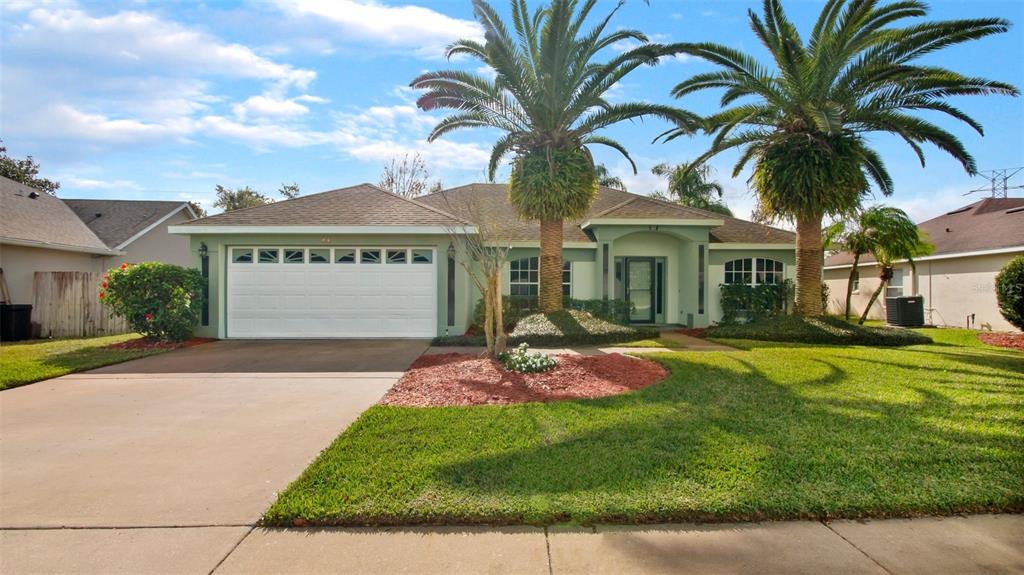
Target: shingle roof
x,y
362,205
488,204
42,219
987,224
115,221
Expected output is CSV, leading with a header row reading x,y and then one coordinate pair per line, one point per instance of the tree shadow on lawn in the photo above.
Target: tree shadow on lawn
x,y
730,442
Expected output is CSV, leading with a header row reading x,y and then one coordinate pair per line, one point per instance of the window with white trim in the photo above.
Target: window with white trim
x,y
895,286
754,271
524,277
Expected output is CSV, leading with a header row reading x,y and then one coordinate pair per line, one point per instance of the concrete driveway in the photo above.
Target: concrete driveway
x,y
199,437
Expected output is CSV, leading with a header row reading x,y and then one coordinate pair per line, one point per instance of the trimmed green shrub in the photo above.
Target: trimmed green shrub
x,y
754,303
158,300
521,360
573,327
1010,291
514,308
557,329
818,330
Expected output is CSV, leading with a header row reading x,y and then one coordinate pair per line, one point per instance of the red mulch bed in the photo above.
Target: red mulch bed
x,y
693,331
1010,340
146,343
461,379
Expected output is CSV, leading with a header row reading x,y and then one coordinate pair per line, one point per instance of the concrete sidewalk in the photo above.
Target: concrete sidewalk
x,y
974,544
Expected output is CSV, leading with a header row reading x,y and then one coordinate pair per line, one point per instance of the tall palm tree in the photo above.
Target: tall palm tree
x,y
548,99
875,230
807,115
606,179
692,186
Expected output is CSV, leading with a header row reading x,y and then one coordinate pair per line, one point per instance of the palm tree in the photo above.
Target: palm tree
x,y
805,122
692,186
547,97
875,230
906,248
606,179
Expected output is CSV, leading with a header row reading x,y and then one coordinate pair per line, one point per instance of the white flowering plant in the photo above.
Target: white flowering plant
x,y
521,359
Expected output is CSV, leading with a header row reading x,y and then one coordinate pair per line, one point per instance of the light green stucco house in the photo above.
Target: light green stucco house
x,y
361,262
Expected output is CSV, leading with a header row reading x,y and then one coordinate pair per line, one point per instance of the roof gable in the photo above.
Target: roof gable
x,y
361,205
488,204
117,221
33,217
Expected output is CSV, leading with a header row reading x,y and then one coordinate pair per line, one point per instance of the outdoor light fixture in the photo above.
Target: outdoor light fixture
x,y
203,250
451,251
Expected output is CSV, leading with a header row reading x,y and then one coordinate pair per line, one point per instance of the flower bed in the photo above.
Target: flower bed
x,y
461,379
1010,340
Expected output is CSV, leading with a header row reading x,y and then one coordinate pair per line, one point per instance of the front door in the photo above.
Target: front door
x,y
640,289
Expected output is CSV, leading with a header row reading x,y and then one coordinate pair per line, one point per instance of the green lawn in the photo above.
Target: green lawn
x,y
777,430
22,363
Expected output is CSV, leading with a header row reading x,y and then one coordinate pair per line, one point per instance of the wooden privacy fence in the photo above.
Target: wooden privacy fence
x,y
67,304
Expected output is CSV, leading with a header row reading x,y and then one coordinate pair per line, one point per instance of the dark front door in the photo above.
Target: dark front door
x,y
640,289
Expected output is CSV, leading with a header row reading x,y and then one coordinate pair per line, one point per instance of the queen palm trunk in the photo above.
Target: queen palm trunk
x,y
854,274
808,266
550,296
884,275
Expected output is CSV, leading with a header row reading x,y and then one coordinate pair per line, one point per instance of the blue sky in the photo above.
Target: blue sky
x,y
164,100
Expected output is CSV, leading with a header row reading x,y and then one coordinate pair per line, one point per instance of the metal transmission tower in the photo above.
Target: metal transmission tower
x,y
998,182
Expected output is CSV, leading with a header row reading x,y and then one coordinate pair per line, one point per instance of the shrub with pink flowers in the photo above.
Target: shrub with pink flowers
x,y
161,301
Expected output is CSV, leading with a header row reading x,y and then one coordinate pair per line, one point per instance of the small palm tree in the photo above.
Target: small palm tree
x,y
875,230
548,99
692,186
807,115
886,254
606,179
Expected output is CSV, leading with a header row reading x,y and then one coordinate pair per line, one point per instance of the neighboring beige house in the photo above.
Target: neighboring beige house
x,y
42,233
39,232
138,228
957,281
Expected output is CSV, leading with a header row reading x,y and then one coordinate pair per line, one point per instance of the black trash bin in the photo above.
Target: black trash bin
x,y
15,321
906,311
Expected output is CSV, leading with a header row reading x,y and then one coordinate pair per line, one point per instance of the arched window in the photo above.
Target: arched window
x,y
754,271
524,277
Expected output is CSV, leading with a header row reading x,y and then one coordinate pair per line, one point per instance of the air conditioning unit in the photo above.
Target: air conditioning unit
x,y
907,311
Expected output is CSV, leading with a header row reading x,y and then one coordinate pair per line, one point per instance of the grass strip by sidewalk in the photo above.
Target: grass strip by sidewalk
x,y
27,362
778,431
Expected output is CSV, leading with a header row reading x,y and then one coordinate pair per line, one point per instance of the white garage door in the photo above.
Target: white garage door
x,y
294,292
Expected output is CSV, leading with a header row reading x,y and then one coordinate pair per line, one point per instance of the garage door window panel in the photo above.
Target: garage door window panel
x,y
294,256
345,256
397,256
369,256
422,256
319,256
241,255
270,255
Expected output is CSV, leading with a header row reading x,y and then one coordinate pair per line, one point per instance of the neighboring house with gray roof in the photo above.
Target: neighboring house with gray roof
x,y
138,228
42,233
361,262
39,232
957,280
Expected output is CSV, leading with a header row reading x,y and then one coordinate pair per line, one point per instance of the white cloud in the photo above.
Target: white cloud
x,y
425,31
94,184
131,38
62,120
269,105
71,77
